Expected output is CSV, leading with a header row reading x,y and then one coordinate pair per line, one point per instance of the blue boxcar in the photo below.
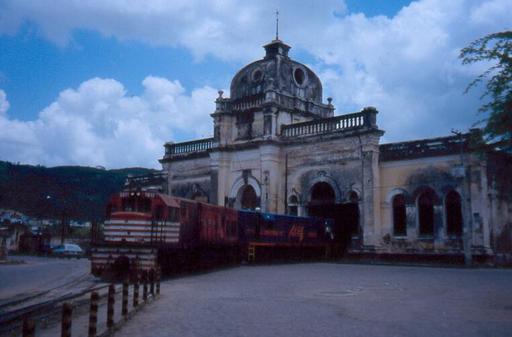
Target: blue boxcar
x,y
274,229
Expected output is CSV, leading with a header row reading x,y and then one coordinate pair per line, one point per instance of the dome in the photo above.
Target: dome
x,y
276,71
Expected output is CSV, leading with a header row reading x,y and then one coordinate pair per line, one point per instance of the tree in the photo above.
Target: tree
x,y
495,48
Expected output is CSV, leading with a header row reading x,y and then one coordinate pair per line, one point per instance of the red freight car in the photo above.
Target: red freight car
x,y
218,224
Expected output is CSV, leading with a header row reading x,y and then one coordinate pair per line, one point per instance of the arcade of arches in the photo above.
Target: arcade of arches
x,y
425,211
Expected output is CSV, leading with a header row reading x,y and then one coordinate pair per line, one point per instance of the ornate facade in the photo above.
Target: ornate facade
x,y
277,147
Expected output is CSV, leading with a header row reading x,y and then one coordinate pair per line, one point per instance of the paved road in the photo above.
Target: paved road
x,y
40,274
331,300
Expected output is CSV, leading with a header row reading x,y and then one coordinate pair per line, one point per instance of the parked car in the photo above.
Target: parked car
x,y
68,250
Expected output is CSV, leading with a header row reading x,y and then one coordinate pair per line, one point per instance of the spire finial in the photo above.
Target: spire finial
x,y
277,24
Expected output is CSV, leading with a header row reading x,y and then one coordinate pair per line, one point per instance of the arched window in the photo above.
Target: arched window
x,y
352,197
426,214
293,202
453,213
399,215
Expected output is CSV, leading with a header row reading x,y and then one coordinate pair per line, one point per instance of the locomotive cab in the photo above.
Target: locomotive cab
x,y
136,224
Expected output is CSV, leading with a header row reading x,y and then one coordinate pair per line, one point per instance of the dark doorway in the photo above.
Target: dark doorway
x,y
249,199
346,216
399,216
322,193
351,214
453,214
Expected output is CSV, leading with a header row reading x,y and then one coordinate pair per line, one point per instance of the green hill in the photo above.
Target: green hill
x,y
77,191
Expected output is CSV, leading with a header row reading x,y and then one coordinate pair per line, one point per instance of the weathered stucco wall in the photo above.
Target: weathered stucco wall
x,y
189,178
413,177
500,205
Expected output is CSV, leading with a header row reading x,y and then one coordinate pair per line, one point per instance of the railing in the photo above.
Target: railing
x,y
329,125
109,307
424,148
248,103
294,102
200,145
225,105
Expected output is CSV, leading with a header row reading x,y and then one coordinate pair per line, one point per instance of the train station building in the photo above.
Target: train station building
x,y
278,147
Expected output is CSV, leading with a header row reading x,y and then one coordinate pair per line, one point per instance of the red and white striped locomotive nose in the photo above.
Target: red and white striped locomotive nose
x,y
140,228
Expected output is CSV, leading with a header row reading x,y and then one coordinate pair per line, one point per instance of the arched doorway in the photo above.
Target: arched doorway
x,y
245,193
248,198
323,203
322,200
350,211
322,194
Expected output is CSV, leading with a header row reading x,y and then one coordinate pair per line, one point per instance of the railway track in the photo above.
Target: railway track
x,y
78,283
46,307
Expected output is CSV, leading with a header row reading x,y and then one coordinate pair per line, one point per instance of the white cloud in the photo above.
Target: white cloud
x,y
406,65
99,124
229,29
4,103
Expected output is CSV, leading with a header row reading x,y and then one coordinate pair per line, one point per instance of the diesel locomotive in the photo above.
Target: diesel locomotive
x,y
145,231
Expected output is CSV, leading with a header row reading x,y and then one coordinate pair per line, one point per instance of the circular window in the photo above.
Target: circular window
x,y
299,76
257,75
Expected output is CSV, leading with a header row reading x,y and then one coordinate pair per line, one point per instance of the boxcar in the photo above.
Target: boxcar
x,y
266,236
218,235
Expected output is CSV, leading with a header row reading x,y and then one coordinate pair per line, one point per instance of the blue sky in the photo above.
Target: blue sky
x,y
107,83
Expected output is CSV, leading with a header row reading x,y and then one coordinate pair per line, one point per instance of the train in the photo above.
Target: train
x,y
146,231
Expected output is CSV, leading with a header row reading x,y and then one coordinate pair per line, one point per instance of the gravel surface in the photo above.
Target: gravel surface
x,y
331,300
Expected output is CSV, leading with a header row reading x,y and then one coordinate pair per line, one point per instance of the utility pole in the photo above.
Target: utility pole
x,y
62,227
466,214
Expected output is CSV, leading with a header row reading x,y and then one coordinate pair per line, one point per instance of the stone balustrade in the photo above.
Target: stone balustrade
x,y
225,105
200,145
249,103
297,103
359,120
327,125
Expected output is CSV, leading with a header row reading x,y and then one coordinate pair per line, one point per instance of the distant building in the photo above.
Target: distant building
x,y
10,235
153,182
277,147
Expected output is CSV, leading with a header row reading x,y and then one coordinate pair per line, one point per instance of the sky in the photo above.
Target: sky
x,y
109,82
